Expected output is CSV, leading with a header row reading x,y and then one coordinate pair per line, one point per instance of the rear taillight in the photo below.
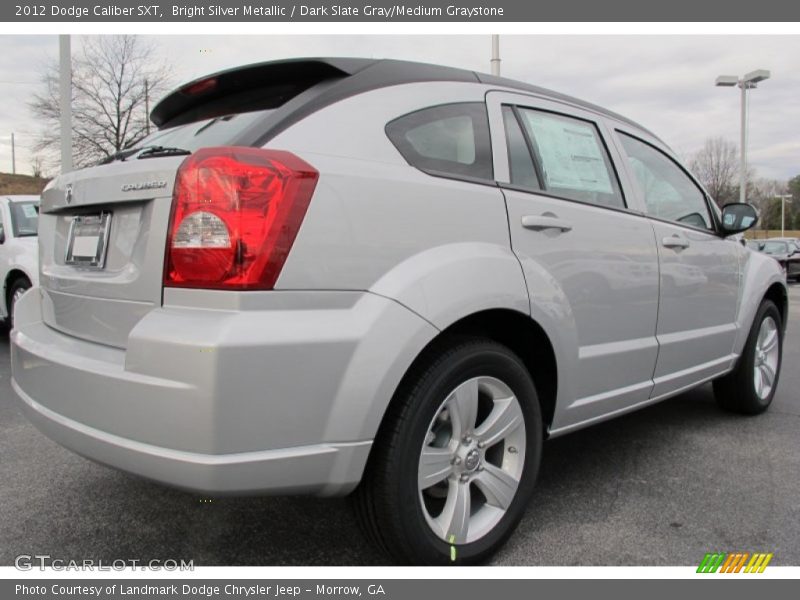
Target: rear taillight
x,y
235,214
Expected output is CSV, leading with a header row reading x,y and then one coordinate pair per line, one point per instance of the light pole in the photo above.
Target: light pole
x,y
495,62
784,198
65,101
747,82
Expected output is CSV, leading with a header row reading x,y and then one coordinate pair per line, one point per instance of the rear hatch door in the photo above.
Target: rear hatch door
x,y
101,300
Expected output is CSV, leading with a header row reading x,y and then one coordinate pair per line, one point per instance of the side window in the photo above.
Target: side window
x,y
669,193
573,162
520,163
451,139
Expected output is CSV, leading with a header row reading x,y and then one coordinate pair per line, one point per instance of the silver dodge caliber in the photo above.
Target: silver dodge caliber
x,y
335,276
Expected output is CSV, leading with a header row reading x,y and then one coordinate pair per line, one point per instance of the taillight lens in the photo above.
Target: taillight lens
x,y
235,214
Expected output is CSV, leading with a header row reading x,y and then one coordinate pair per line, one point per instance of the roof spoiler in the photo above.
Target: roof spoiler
x,y
276,81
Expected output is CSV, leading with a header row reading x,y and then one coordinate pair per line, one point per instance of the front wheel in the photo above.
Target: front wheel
x,y
455,463
750,387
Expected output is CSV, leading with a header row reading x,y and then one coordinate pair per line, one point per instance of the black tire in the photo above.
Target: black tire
x,y
736,391
21,284
387,501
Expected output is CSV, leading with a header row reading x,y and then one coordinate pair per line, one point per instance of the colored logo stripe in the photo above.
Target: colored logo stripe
x,y
734,562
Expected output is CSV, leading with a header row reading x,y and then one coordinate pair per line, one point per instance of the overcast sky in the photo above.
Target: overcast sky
x,y
666,83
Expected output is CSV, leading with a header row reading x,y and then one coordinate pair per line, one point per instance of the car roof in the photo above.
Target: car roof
x,y
200,98
20,198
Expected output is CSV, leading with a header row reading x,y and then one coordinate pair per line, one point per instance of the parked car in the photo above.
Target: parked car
x,y
335,276
19,251
787,253
754,245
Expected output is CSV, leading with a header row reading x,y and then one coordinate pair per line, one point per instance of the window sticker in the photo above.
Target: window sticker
x,y
570,153
29,210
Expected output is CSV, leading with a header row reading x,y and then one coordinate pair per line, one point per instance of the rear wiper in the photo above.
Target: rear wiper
x,y
146,152
154,151
120,155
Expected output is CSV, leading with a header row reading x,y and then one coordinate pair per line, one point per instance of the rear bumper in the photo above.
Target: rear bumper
x,y
324,468
227,402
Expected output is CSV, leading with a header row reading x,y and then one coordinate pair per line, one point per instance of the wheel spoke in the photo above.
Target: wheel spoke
x,y
454,520
767,375
463,407
434,466
505,417
759,382
770,340
498,486
762,332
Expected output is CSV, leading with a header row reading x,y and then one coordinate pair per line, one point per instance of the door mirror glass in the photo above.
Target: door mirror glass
x,y
738,217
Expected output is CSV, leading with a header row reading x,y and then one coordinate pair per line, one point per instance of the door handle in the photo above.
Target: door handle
x,y
675,241
540,222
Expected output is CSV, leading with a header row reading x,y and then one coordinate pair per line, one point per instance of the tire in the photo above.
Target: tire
x,y
747,390
398,511
19,287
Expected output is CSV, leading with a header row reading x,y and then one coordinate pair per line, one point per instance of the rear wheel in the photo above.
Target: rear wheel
x,y
456,460
15,292
750,387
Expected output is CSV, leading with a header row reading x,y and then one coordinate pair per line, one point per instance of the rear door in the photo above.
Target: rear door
x,y
699,269
570,223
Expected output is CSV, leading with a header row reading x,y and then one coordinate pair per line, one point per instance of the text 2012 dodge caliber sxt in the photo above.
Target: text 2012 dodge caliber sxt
x,y
327,276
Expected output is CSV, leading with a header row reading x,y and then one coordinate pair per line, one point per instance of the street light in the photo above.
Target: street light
x,y
747,82
784,198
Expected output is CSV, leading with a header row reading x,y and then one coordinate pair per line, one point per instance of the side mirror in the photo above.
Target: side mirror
x,y
738,217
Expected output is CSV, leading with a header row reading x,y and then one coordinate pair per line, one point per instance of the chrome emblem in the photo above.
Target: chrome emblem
x,y
69,194
144,185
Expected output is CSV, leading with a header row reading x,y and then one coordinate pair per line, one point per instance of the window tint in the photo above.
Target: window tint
x,y
572,159
24,218
449,139
520,162
219,131
668,192
776,248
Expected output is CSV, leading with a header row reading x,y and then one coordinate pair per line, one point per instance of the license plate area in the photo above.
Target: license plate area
x,y
87,241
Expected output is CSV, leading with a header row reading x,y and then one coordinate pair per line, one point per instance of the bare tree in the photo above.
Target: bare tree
x,y
37,166
113,79
765,195
715,165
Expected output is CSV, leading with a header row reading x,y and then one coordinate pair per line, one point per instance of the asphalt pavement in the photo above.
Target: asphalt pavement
x,y
661,486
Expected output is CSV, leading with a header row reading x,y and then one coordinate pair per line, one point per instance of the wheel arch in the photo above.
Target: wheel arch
x,y
513,329
778,295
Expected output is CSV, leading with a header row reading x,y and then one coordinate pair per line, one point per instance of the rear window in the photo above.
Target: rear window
x,y
450,139
24,218
775,248
219,131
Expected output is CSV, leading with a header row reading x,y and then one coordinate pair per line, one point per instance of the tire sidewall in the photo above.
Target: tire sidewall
x,y
19,284
758,404
491,360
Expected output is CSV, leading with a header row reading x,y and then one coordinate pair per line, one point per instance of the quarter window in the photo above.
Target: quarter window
x,y
523,172
572,160
451,139
669,193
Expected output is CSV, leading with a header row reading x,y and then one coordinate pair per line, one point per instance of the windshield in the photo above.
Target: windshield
x,y
24,218
219,131
776,248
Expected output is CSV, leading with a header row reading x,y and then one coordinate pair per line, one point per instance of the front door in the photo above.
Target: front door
x,y
699,272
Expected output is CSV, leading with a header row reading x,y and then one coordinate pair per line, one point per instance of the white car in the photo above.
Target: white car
x,y
19,249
